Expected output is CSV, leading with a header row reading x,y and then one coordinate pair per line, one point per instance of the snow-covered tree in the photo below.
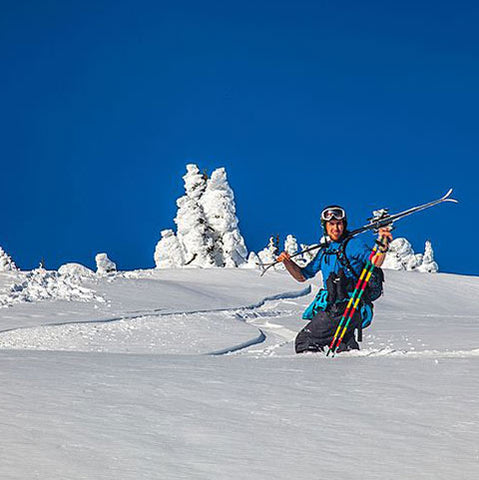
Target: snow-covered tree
x,y
193,232
219,208
291,245
401,256
6,262
103,264
270,253
195,182
168,252
428,264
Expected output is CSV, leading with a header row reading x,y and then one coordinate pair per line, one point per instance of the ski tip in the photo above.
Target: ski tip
x,y
448,193
447,199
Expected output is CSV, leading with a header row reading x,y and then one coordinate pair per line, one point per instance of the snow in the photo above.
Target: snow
x,y
76,270
40,284
141,385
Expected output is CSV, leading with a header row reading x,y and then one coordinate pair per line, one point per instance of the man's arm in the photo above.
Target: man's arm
x,y
292,267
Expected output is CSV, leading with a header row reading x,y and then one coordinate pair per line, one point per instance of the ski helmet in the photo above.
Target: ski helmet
x,y
333,212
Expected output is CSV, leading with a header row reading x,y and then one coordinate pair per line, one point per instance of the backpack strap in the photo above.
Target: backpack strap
x,y
343,259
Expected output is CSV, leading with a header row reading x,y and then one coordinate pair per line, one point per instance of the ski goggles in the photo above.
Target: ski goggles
x,y
329,213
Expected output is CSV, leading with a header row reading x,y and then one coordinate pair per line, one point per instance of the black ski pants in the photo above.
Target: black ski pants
x,y
319,333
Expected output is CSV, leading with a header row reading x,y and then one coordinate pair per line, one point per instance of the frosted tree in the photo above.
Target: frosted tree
x,y
195,182
401,256
270,253
291,245
6,262
193,232
219,208
104,265
428,264
168,251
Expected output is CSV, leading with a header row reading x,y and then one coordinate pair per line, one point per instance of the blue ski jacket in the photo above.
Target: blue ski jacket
x,y
326,261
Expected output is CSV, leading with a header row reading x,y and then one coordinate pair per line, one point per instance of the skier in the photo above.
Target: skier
x,y
340,261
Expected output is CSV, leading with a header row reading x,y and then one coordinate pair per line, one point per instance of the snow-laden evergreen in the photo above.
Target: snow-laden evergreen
x,y
220,211
104,265
193,231
291,245
194,181
207,227
428,264
401,256
6,262
168,251
270,253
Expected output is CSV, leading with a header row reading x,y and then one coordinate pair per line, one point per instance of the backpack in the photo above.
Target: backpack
x,y
374,288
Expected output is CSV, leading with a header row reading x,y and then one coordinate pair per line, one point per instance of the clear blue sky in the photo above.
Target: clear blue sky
x,y
306,103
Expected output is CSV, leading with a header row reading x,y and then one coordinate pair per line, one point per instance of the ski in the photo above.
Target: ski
x,y
387,220
383,219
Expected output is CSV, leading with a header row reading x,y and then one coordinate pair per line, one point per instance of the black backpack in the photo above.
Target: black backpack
x,y
375,285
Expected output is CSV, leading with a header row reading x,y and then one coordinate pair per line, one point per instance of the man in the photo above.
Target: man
x,y
340,261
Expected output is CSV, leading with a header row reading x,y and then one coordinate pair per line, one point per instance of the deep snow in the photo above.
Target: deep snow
x,y
127,388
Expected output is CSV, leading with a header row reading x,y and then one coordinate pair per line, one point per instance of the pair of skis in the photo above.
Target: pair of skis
x,y
379,220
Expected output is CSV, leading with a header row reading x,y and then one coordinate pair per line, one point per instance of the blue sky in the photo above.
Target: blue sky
x,y
306,103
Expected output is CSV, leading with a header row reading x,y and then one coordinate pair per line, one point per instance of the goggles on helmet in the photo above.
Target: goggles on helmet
x,y
335,212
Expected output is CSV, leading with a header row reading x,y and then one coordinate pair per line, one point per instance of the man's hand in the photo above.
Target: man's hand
x,y
283,256
385,232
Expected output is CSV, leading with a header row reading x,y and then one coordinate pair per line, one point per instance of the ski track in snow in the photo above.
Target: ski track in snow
x,y
276,318
138,332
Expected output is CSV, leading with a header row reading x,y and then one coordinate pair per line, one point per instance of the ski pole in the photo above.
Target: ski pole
x,y
352,300
356,296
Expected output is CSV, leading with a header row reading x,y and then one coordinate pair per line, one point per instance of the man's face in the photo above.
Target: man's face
x,y
335,229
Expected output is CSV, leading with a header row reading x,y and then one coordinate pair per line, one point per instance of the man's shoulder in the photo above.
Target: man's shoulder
x,y
357,244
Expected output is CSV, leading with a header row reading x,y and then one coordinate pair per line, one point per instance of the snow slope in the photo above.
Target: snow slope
x,y
86,396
